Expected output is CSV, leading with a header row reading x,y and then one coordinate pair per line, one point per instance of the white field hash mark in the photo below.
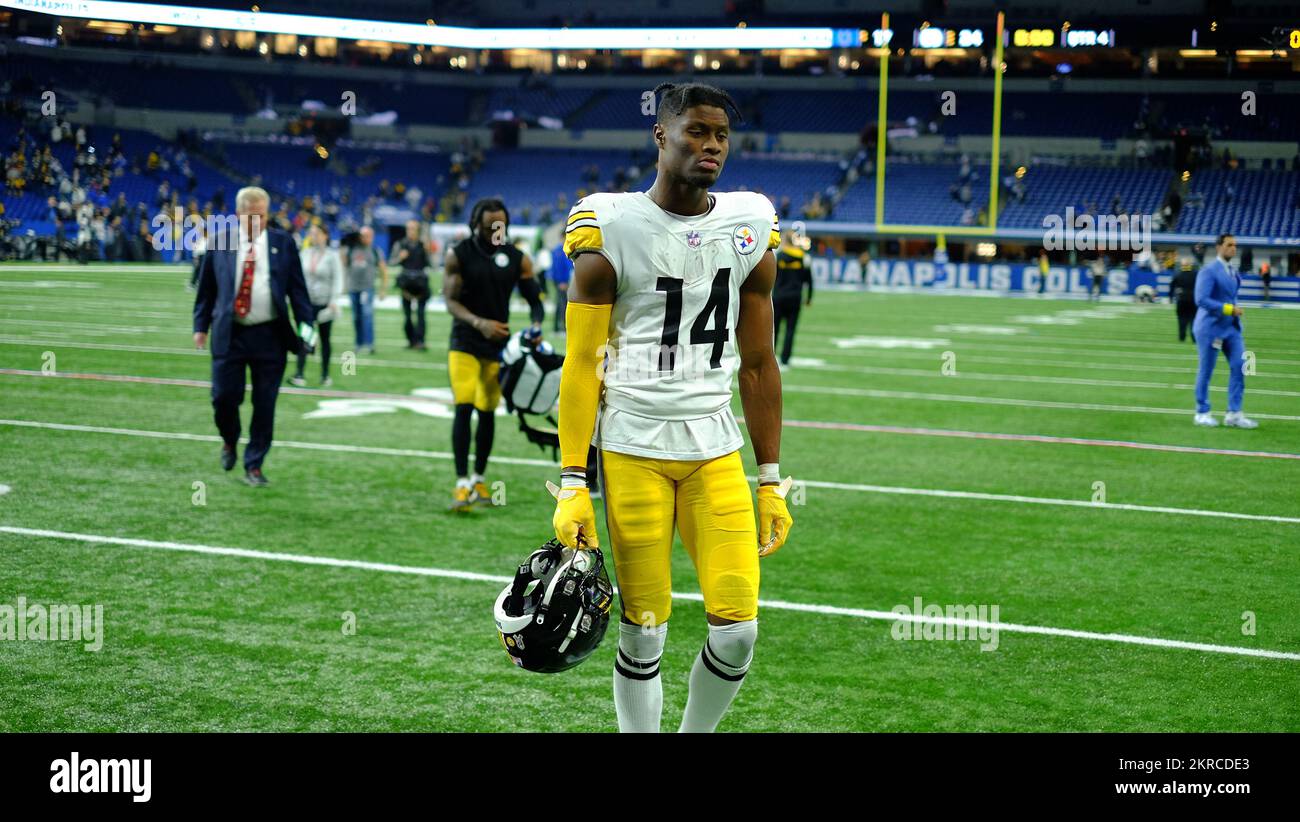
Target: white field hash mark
x,y
779,605
549,464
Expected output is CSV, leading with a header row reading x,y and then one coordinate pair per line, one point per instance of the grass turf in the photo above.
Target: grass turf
x,y
196,642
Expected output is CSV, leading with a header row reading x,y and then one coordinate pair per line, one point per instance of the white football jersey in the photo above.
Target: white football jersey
x,y
672,353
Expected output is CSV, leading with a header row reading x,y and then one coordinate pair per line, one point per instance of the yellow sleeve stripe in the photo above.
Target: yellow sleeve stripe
x,y
774,239
584,238
579,215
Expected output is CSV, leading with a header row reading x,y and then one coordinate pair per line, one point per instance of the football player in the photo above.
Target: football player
x,y
479,276
671,296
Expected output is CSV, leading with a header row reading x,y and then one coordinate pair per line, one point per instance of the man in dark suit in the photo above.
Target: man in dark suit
x,y
248,275
1218,328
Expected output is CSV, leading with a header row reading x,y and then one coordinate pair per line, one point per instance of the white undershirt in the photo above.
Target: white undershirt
x,y
261,310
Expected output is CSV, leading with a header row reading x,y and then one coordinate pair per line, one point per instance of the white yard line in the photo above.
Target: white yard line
x,y
841,486
935,373
776,605
1019,403
362,360
878,393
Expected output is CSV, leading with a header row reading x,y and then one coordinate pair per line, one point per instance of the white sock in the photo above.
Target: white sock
x,y
717,674
638,690
475,479
462,482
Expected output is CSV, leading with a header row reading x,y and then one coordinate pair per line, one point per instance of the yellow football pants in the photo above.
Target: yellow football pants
x,y
711,504
474,380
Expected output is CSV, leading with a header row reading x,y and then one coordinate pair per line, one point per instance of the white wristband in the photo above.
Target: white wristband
x,y
573,481
769,472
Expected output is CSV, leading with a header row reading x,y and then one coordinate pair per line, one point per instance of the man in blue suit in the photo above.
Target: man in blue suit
x,y
246,277
1218,326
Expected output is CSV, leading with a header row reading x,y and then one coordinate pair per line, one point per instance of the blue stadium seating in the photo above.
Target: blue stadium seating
x,y
1050,189
1252,203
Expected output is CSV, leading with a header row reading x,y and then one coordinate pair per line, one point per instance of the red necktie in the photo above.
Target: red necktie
x,y
244,299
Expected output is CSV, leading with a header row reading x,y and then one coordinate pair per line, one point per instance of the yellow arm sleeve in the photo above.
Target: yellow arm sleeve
x,y
587,331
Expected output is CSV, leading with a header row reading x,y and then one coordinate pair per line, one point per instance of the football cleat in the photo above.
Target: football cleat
x,y
480,495
555,612
460,499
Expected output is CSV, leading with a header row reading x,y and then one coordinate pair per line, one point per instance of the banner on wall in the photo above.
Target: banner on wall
x,y
1012,277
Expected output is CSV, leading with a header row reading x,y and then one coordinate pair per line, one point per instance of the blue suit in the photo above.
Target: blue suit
x,y
1216,286
260,349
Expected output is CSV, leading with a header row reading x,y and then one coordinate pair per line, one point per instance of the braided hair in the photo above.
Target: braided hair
x,y
677,97
484,205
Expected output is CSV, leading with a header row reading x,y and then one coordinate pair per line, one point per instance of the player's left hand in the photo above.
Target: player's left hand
x,y
774,520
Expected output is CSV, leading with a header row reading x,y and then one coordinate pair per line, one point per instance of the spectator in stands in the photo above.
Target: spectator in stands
x,y
143,247
115,247
323,272
1218,327
1141,150
85,238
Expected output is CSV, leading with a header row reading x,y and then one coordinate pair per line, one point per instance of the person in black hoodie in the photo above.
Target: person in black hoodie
x,y
1182,293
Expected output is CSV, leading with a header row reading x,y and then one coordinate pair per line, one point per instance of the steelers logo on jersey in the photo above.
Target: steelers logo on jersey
x,y
745,238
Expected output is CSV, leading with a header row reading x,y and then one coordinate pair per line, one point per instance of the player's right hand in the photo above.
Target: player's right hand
x,y
200,339
575,518
774,520
494,330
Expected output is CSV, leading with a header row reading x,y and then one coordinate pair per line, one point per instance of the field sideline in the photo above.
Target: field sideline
x,y
1034,455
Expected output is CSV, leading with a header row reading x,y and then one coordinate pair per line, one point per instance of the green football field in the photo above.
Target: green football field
x,y
1032,456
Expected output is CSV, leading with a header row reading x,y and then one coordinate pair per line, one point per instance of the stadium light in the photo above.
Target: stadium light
x,y
434,35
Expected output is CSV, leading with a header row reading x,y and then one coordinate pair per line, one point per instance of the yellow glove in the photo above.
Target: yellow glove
x,y
774,520
575,519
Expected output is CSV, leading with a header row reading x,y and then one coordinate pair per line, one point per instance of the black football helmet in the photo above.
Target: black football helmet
x,y
555,612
